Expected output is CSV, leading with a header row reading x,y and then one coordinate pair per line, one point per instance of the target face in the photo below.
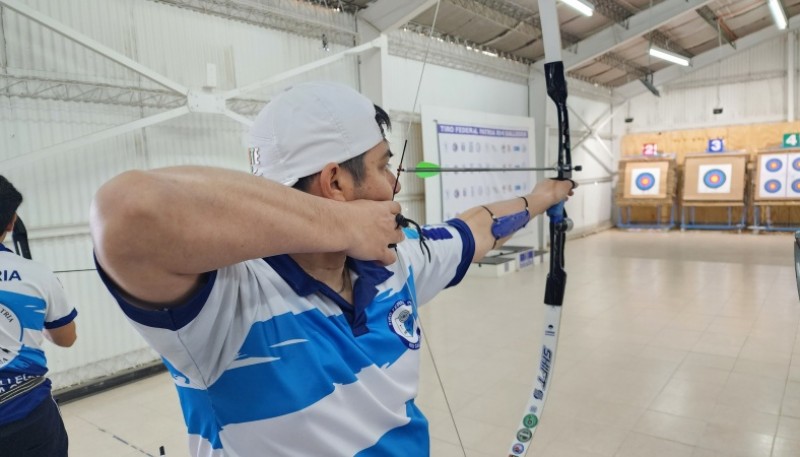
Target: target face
x,y
714,178
645,181
776,175
773,186
774,165
796,164
796,186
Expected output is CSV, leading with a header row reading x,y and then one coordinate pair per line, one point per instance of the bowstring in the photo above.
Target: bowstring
x,y
396,184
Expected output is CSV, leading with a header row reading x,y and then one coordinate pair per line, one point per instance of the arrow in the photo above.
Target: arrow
x,y
430,169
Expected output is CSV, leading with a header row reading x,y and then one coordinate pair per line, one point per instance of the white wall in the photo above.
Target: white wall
x,y
752,88
442,86
176,42
453,88
179,43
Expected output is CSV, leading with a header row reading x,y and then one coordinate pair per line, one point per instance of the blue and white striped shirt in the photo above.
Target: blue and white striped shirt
x,y
31,300
269,361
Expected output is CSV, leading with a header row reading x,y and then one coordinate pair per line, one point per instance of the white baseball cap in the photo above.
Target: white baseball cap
x,y
308,126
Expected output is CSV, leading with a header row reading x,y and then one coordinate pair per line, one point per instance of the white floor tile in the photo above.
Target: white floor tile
x,y
672,344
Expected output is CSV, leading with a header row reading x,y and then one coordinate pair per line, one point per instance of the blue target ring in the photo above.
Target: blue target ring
x,y
772,186
774,165
796,186
796,164
645,181
715,178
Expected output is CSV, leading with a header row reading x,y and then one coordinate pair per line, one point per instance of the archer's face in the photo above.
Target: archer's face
x,y
379,179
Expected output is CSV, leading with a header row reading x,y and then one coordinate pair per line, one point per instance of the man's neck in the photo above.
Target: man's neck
x,y
325,267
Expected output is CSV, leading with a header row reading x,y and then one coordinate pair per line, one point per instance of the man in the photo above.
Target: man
x,y
32,306
286,315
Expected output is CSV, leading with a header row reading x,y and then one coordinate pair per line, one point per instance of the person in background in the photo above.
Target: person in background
x,y
33,306
285,302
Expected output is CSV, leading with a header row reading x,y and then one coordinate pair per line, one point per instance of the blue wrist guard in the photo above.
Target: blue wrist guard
x,y
504,226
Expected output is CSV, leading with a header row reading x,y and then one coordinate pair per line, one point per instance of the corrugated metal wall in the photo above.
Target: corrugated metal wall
x,y
752,89
176,42
179,43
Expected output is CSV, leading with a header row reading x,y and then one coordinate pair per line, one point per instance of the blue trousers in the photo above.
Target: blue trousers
x,y
40,434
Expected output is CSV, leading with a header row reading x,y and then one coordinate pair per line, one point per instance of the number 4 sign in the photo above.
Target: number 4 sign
x,y
791,140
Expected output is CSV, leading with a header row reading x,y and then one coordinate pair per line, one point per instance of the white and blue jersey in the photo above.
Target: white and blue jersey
x,y
268,361
31,299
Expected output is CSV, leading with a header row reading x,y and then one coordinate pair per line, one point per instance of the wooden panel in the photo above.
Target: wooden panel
x,y
748,138
732,169
745,138
655,173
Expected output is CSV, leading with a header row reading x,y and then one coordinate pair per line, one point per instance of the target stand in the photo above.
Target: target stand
x,y
711,183
647,188
776,186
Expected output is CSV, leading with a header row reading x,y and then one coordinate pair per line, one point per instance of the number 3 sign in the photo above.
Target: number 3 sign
x,y
716,145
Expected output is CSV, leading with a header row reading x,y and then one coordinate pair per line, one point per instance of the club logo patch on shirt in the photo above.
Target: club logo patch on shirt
x,y
10,335
404,324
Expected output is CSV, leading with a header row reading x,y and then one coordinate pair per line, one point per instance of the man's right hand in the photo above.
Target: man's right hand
x,y
373,227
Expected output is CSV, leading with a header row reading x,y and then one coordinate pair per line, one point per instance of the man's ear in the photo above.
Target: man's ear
x,y
10,226
333,182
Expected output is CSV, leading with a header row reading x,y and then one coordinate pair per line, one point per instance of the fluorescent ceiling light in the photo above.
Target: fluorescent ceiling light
x,y
582,6
669,56
778,15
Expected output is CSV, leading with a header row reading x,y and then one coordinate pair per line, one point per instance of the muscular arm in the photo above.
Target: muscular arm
x,y
543,196
63,336
156,232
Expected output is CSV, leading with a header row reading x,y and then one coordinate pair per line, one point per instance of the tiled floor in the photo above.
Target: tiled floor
x,y
672,345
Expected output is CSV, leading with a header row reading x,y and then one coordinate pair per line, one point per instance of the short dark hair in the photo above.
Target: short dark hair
x,y
10,199
354,166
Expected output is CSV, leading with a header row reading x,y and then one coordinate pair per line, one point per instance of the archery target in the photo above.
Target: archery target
x,y
774,165
773,186
645,181
776,174
793,176
714,179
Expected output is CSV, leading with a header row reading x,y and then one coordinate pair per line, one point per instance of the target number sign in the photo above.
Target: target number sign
x,y
716,145
649,149
791,140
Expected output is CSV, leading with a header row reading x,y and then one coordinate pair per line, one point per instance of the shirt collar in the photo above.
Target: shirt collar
x,y
370,275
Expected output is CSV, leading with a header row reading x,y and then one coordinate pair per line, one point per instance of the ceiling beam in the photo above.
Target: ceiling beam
x,y
719,25
613,11
661,40
389,15
615,61
612,37
707,58
526,25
